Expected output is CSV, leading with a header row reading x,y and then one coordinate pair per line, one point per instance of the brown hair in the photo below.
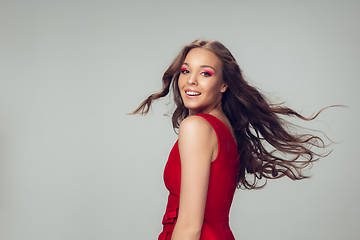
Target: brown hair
x,y
256,122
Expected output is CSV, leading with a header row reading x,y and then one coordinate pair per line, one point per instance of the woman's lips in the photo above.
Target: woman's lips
x,y
192,93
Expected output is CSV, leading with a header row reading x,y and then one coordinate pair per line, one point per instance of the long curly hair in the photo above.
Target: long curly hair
x,y
267,148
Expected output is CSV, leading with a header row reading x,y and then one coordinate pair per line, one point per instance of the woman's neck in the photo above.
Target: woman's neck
x,y
217,107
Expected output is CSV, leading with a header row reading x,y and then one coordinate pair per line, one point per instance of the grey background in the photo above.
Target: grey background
x,y
73,165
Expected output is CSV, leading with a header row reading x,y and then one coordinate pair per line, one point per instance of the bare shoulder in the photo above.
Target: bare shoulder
x,y
197,141
195,125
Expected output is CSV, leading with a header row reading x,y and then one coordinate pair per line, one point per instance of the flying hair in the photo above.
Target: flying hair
x,y
267,148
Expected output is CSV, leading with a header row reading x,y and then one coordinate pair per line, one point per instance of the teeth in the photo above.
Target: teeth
x,y
191,93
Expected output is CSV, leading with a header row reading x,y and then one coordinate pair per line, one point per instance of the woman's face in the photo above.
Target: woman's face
x,y
200,81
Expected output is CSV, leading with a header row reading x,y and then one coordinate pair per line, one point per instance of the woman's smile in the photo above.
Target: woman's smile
x,y
191,94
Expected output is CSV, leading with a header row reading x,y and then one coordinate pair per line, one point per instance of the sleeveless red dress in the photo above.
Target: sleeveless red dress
x,y
222,184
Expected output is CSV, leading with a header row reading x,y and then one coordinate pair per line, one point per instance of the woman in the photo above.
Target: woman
x,y
227,132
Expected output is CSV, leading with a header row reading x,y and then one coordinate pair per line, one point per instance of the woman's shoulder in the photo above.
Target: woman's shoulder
x,y
195,125
197,138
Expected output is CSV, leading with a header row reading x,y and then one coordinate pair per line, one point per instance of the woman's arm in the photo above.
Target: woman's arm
x,y
198,147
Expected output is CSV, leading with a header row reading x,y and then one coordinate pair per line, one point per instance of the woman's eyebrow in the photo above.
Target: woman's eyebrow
x,y
207,66
202,66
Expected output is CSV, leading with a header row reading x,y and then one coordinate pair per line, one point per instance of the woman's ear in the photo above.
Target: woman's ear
x,y
224,87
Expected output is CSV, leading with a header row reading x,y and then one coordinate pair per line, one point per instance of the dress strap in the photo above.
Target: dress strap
x,y
220,128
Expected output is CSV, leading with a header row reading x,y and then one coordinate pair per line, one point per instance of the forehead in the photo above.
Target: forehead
x,y
201,56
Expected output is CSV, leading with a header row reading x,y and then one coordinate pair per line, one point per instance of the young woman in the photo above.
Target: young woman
x,y
227,131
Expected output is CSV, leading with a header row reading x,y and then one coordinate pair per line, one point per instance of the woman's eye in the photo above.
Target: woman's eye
x,y
206,74
184,71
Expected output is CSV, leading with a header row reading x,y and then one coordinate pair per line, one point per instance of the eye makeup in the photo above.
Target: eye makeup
x,y
210,73
183,69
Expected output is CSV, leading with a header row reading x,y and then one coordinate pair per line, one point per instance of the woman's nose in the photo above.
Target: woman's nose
x,y
192,79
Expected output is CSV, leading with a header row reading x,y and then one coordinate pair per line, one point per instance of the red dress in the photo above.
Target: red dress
x,y
222,185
